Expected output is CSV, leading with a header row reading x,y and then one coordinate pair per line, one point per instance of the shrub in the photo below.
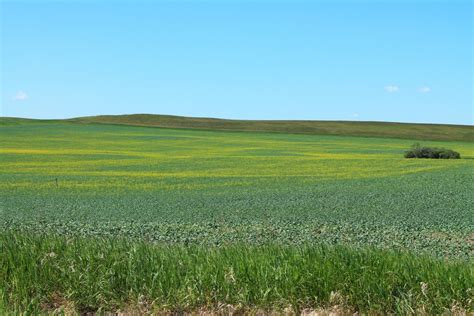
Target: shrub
x,y
418,151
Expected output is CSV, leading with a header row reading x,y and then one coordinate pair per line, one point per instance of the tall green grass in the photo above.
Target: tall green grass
x,y
39,273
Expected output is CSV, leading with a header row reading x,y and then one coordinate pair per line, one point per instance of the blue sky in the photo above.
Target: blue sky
x,y
406,61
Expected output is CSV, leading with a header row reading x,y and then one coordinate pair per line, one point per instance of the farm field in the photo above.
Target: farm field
x,y
224,203
338,128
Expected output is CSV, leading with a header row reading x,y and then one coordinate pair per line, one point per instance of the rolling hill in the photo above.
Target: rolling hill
x,y
342,128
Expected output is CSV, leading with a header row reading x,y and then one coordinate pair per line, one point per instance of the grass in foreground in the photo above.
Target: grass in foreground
x,y
41,273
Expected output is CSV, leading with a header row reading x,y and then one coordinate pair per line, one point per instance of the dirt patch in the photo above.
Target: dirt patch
x,y
59,305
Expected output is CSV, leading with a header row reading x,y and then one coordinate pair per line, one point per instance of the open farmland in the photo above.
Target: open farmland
x,y
181,192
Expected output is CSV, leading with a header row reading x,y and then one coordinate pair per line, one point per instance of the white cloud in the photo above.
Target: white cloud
x,y
424,89
20,96
391,88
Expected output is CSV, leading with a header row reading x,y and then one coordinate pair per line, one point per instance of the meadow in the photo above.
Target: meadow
x,y
108,216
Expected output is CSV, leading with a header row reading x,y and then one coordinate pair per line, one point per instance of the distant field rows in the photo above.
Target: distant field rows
x,y
188,186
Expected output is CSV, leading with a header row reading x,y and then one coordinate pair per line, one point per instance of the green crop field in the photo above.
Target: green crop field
x,y
112,217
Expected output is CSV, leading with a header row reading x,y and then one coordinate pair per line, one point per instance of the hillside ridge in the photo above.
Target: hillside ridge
x,y
419,131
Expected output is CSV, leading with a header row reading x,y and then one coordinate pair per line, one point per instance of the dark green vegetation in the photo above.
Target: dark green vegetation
x,y
90,274
418,151
341,128
167,193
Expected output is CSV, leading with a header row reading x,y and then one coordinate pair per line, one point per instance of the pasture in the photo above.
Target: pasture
x,y
178,194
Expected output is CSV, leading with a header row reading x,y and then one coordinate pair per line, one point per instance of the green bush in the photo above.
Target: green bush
x,y
418,151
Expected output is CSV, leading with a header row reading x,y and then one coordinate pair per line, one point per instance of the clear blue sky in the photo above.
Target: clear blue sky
x,y
408,61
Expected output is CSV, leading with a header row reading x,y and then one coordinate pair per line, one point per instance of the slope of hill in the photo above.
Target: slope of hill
x,y
377,129
441,132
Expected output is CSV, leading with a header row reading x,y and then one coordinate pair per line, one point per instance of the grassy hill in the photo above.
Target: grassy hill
x,y
342,128
376,129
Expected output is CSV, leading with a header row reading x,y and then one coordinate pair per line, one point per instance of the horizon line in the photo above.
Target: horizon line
x,y
234,119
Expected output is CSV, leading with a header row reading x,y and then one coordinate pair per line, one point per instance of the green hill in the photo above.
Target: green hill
x,y
374,129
